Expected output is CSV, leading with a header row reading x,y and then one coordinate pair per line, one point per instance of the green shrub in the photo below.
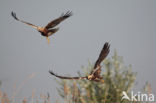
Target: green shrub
x,y
117,76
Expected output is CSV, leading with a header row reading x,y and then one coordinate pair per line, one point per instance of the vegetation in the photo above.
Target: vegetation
x,y
117,76
43,98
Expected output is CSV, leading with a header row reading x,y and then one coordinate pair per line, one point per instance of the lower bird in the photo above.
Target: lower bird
x,y
49,29
95,74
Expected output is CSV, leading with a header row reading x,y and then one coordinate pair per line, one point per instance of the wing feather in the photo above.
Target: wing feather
x,y
63,77
15,17
59,20
102,56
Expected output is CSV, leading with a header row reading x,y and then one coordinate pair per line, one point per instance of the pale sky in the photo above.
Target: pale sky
x,y
129,26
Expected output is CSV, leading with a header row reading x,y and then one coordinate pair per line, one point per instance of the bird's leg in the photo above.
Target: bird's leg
x,y
48,40
99,80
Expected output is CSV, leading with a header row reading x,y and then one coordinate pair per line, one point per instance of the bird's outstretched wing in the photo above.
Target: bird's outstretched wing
x,y
63,77
102,56
58,20
14,16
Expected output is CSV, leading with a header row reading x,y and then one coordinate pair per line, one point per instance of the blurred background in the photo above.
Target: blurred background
x,y
26,58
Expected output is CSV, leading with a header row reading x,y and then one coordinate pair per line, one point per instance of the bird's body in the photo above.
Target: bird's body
x,y
95,74
49,29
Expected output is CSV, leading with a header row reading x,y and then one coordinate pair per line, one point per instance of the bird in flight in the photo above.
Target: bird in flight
x,y
49,29
95,74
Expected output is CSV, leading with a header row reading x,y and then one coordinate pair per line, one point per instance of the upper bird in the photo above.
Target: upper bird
x,y
95,74
49,29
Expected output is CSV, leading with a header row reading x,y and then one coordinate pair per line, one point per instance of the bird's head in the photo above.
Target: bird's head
x,y
89,77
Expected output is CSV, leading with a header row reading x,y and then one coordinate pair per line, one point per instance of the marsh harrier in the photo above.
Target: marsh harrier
x,y
95,74
49,29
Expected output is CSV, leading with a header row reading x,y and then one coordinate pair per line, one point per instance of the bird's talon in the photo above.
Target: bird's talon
x,y
48,40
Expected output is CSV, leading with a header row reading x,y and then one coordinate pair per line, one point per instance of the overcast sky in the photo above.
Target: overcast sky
x,y
129,26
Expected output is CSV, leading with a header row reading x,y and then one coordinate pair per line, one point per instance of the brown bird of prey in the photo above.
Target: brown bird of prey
x,y
95,74
49,29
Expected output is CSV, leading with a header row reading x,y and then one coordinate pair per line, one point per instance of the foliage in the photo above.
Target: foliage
x,y
117,76
43,98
